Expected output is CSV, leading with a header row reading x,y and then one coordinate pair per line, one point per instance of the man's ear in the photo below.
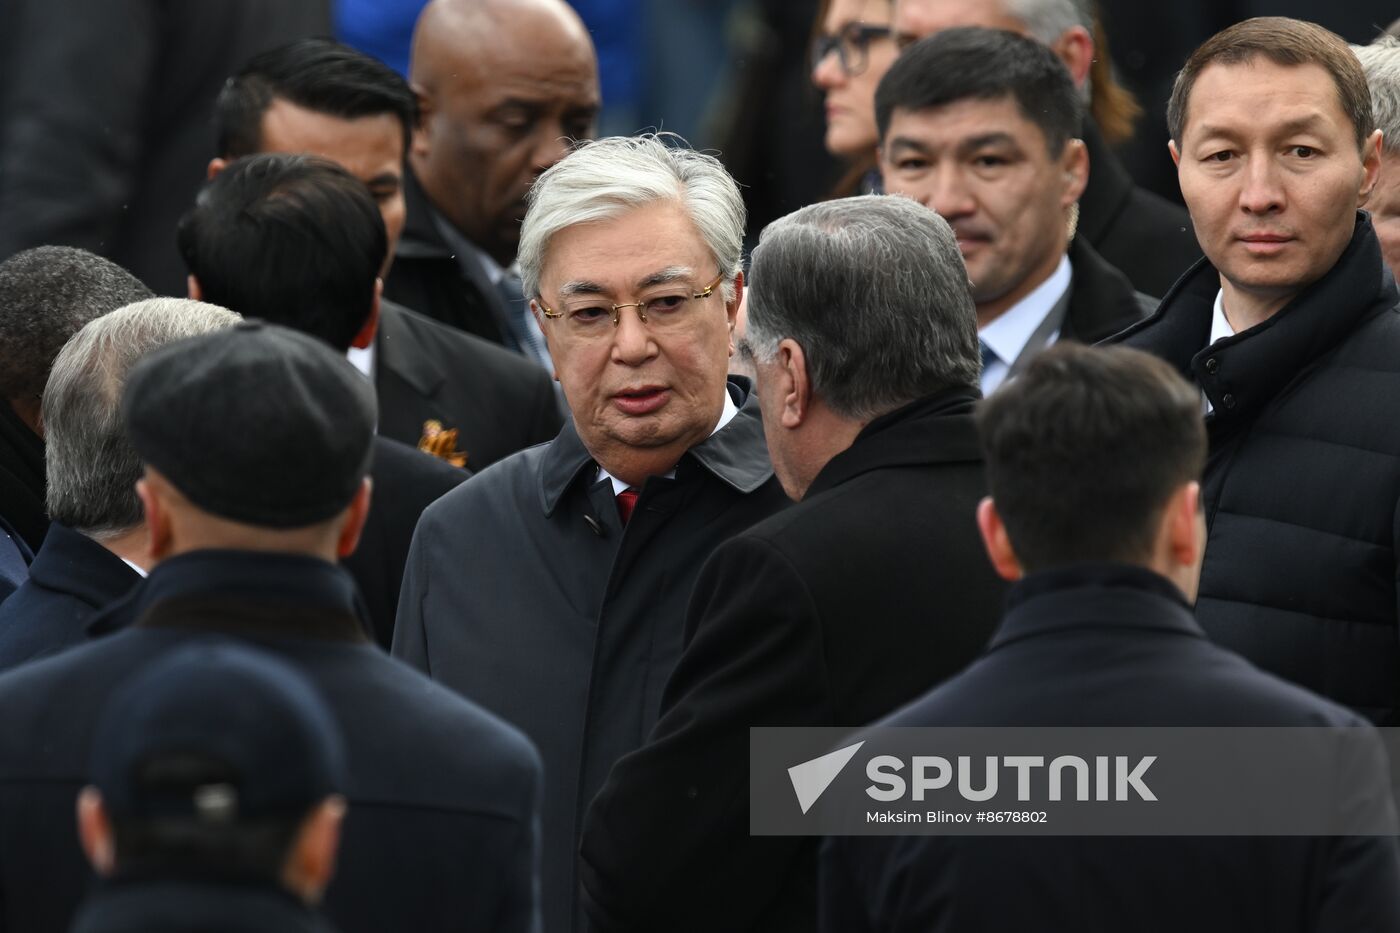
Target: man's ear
x,y
795,389
1371,165
1075,164
366,335
1075,47
157,521
731,308
193,289
997,543
357,512
216,165
311,862
1176,153
1183,529
95,832
418,143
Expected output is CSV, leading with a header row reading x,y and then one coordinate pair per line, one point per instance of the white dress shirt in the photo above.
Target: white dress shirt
x,y
726,416
1008,335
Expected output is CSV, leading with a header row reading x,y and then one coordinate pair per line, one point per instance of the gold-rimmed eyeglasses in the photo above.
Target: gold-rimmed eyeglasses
x,y
663,311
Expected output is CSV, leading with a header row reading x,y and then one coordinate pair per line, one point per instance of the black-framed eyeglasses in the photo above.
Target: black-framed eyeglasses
x,y
661,312
851,45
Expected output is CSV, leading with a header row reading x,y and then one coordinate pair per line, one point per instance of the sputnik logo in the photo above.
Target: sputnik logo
x,y
811,778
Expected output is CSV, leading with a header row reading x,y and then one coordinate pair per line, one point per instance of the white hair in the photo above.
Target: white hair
x,y
1381,62
92,467
1047,20
604,179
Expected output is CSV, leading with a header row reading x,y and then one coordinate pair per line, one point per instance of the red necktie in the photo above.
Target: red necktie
x,y
626,502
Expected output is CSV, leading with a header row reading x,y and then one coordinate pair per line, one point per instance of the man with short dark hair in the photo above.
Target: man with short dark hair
x,y
217,774
1139,232
298,241
257,442
46,295
1290,328
96,547
319,97
1098,632
836,611
504,88
982,126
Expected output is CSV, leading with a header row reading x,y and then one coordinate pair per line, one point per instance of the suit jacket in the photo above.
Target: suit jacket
x,y
1148,238
832,613
72,577
1102,302
443,797
427,276
498,401
406,481
23,484
104,117
568,624
1110,645
1302,482
15,558
180,906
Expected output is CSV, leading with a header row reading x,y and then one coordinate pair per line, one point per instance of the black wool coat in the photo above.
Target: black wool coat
x,y
833,613
443,798
498,401
526,594
1302,487
1112,645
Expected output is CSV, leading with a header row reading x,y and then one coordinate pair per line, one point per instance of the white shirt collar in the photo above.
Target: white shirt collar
x,y
140,570
725,416
1008,335
1219,324
362,358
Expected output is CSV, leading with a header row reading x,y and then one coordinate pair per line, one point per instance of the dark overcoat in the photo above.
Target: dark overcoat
x,y
1111,645
525,593
871,590
441,830
1302,488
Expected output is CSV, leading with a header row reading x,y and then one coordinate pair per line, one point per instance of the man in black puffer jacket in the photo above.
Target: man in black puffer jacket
x,y
1291,330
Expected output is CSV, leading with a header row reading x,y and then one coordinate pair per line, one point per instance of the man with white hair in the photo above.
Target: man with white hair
x,y
551,587
96,549
1142,234
1381,62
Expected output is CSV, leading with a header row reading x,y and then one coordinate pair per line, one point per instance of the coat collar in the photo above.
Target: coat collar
x,y
159,906
935,429
399,352
736,454
1094,595
1243,373
71,562
246,576
1102,302
421,238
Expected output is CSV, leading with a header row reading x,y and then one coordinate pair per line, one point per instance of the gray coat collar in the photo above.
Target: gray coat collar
x,y
397,351
736,454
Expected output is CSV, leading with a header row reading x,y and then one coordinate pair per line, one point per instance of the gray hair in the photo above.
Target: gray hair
x,y
46,295
92,467
604,179
1381,62
1047,20
875,292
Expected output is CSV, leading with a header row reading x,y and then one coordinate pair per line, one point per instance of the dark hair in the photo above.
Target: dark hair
x,y
294,240
1084,449
1283,41
47,294
984,64
188,845
319,74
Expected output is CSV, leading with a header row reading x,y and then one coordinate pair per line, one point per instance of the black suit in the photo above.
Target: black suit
x,y
428,277
833,612
1110,645
150,906
15,558
1102,302
443,797
1147,237
71,579
406,481
498,401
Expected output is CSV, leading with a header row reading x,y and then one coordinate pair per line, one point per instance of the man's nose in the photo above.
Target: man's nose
x,y
632,340
552,146
949,195
1261,191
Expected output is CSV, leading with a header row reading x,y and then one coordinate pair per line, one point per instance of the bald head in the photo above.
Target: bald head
x,y
504,87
